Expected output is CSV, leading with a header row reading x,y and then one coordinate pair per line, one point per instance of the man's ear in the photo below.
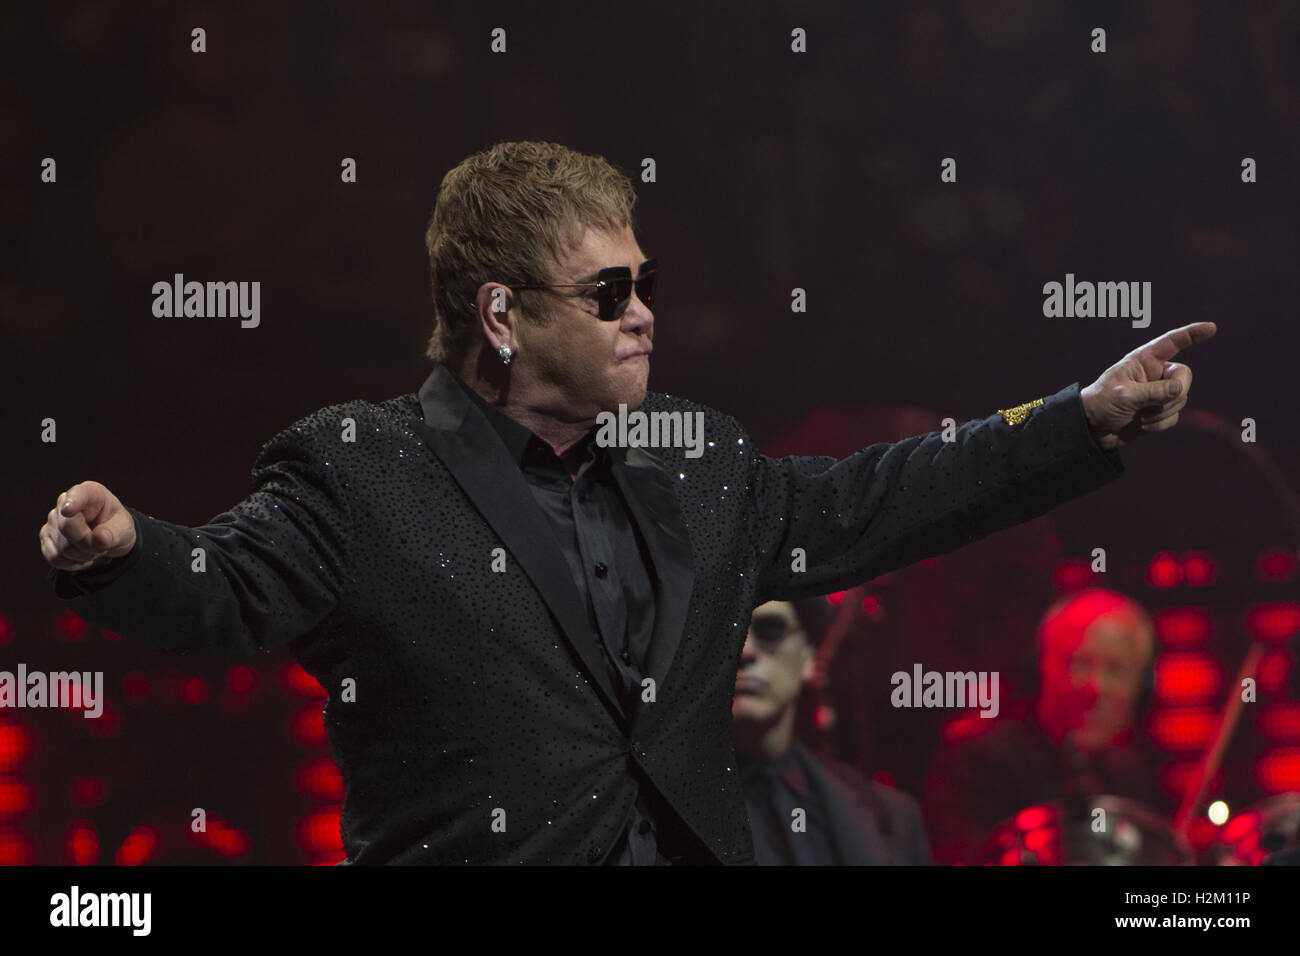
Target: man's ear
x,y
809,668
494,317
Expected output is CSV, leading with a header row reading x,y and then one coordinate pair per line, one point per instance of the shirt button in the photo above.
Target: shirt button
x,y
644,827
593,854
601,569
627,657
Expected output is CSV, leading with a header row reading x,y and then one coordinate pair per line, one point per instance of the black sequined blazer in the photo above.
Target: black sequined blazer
x,y
482,726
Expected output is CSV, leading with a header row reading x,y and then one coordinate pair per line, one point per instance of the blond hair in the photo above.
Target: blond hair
x,y
508,214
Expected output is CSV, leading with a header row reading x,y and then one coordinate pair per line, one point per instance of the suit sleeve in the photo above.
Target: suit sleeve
x,y
274,565
890,505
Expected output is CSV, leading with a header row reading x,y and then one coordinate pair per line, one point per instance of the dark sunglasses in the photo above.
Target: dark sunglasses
x,y
771,629
614,287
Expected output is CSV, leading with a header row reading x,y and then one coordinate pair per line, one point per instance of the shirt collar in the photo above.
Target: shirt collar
x,y
521,441
785,767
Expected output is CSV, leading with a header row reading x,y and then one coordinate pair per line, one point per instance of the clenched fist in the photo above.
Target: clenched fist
x,y
87,527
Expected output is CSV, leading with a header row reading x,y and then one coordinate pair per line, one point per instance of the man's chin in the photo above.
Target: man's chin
x,y
750,707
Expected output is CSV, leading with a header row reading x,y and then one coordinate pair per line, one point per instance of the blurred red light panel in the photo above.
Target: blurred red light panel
x,y
1183,728
300,682
1274,669
1072,574
1275,621
194,690
1182,626
1276,564
1279,770
15,744
1164,571
82,844
319,831
320,779
307,726
15,797
241,679
1187,678
1199,569
72,628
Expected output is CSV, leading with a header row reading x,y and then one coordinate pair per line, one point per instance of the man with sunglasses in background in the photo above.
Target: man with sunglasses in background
x,y
802,811
529,640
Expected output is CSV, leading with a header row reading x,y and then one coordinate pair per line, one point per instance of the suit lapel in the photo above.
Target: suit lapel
x,y
854,832
464,440
647,487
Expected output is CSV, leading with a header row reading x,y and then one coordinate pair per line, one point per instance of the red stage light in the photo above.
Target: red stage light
x,y
965,727
15,797
1276,564
241,679
871,604
1198,569
82,844
87,790
1183,728
319,831
1279,771
194,691
1164,571
1178,777
1281,722
1274,670
15,848
1072,575
836,598
320,779
1202,832
1031,818
138,847
307,726
1182,626
300,682
6,629
1275,621
1187,678
72,628
15,743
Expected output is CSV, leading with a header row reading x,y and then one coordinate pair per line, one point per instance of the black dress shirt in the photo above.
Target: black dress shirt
x,y
773,789
611,569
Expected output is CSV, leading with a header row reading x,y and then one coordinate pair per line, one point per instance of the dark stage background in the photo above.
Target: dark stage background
x,y
775,170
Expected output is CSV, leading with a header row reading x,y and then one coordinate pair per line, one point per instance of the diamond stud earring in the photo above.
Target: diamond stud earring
x,y
506,353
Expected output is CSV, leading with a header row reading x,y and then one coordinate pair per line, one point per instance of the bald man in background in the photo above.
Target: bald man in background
x,y
1095,653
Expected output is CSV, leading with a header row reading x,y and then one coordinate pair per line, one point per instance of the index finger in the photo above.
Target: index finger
x,y
1174,341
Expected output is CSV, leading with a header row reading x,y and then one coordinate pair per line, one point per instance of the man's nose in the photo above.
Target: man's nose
x,y
749,652
637,317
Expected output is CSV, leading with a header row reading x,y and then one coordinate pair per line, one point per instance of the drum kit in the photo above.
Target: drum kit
x,y
1116,831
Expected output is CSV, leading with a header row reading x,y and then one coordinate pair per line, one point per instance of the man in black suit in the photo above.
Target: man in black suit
x,y
802,811
529,637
